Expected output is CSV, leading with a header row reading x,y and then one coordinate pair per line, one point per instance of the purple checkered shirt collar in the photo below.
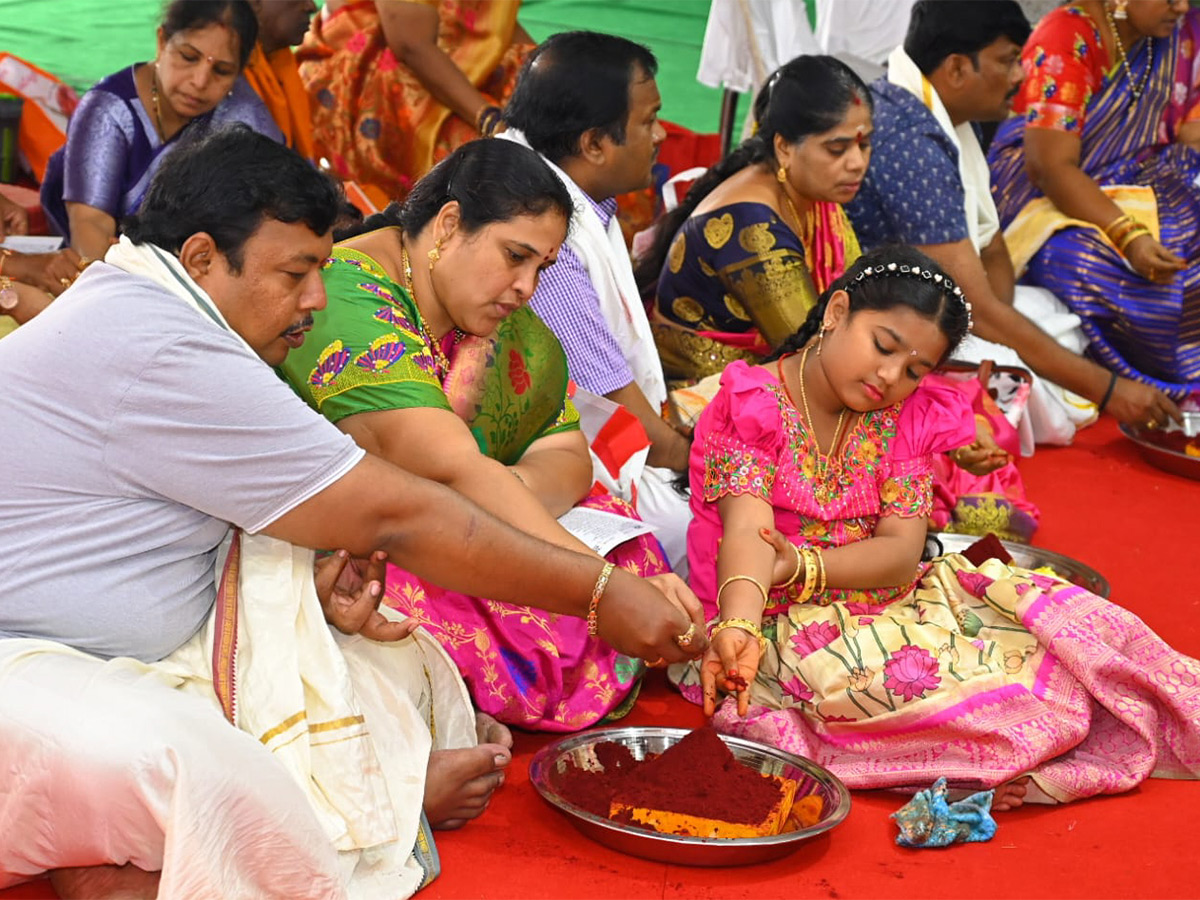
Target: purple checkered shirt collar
x,y
605,209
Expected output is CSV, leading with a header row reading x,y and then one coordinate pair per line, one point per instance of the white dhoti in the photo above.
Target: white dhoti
x,y
1053,413
317,792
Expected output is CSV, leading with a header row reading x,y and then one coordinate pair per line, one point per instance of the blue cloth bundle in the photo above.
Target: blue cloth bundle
x,y
928,820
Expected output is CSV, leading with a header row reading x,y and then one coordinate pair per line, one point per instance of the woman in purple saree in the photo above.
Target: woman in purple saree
x,y
129,121
1095,180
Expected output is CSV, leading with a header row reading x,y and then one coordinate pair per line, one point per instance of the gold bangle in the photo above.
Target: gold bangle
x,y
799,562
810,576
1131,236
754,581
1117,234
597,592
745,625
5,253
820,576
1123,219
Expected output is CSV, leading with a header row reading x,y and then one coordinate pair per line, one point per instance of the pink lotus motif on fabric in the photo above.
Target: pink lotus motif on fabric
x,y
911,672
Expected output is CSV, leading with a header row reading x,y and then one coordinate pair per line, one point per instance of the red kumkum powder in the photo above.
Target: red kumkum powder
x,y
698,776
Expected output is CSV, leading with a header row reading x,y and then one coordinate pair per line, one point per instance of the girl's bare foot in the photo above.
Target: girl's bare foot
x,y
1010,795
459,783
126,882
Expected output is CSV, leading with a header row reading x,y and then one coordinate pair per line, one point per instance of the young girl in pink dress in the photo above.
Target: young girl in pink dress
x,y
811,488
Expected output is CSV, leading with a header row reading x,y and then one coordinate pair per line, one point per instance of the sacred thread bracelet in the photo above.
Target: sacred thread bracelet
x,y
597,592
1112,384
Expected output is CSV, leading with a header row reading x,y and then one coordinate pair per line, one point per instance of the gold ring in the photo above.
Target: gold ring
x,y
65,282
654,664
1152,424
686,637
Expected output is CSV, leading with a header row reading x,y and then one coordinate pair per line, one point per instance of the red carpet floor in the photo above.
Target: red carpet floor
x,y
1101,504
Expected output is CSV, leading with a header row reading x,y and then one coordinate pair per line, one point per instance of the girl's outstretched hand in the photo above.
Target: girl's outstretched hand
x,y
729,666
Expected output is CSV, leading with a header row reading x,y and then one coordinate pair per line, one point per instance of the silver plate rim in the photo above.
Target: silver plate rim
x,y
538,767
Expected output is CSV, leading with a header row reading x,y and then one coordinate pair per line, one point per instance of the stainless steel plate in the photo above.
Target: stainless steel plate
x,y
1173,461
547,768
1033,557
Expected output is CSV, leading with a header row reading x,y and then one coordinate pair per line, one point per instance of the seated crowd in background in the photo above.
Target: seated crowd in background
x,y
740,262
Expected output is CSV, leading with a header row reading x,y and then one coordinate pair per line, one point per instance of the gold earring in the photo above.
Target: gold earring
x,y
1120,11
781,175
820,338
435,254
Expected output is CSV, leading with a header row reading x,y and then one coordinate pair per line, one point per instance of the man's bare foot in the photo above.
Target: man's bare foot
x,y
126,882
1010,795
459,783
489,731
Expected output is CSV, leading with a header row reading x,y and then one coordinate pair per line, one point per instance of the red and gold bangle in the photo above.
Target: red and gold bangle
x,y
593,627
810,575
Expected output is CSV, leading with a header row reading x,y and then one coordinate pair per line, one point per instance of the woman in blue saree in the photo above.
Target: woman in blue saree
x,y
1095,180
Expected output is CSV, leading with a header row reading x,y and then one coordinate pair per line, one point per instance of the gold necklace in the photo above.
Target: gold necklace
x,y
162,134
795,215
808,415
441,362
1135,89
826,473
805,240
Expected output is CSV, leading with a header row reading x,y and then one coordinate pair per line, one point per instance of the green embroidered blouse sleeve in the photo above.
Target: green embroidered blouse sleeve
x,y
365,352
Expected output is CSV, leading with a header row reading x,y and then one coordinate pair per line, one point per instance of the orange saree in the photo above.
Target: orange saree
x,y
373,119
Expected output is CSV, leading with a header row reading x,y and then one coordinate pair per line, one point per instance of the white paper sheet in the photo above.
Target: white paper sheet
x,y
32,243
601,530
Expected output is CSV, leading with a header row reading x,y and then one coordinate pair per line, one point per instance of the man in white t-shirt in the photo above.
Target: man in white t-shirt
x,y
141,421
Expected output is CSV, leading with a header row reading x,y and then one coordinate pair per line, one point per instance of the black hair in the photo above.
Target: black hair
x,y
940,28
573,82
492,179
808,95
227,184
888,277
238,15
